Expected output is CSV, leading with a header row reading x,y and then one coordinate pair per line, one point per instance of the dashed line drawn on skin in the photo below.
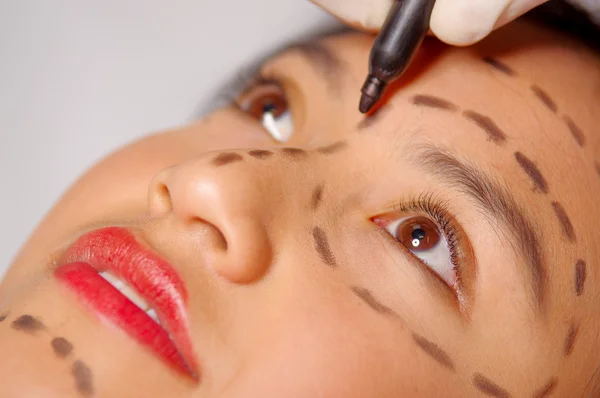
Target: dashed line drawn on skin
x,y
430,101
570,339
294,153
488,387
531,169
322,247
366,296
580,275
499,65
565,222
575,131
61,346
333,148
226,158
28,324
545,391
260,154
486,124
434,351
317,197
544,97
83,378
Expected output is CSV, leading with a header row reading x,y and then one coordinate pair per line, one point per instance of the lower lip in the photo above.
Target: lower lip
x,y
107,302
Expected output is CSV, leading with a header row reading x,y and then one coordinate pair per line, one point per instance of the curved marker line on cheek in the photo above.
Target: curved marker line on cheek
x,y
61,347
580,275
547,389
28,324
570,339
322,247
434,351
488,387
83,378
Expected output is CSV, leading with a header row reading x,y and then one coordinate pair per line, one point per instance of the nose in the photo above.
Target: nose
x,y
227,192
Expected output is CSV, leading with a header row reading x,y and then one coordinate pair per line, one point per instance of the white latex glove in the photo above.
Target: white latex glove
x,y
456,22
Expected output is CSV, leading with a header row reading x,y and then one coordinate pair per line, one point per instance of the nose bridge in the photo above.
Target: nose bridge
x,y
241,194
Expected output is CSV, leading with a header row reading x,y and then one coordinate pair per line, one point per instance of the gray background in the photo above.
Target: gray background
x,y
80,78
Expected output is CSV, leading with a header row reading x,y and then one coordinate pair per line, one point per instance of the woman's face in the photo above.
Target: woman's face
x,y
444,246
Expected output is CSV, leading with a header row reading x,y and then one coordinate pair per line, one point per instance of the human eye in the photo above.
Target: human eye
x,y
265,100
430,233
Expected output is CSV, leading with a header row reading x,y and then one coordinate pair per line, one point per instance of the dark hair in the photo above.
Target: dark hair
x,y
567,18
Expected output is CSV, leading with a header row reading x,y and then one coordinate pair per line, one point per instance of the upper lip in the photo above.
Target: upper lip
x,y
116,250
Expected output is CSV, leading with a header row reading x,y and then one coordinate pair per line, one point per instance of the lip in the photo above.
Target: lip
x,y
116,250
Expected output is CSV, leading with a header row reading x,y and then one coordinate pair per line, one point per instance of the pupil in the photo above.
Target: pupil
x,y
268,107
418,233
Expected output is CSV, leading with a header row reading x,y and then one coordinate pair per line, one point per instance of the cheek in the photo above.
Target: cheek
x,y
330,345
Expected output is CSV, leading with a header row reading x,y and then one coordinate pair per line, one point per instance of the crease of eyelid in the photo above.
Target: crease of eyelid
x,y
324,58
495,199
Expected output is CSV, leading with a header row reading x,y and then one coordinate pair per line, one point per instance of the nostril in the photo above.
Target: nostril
x,y
164,197
159,200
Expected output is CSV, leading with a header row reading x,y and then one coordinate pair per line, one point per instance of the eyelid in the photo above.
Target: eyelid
x,y
437,208
253,84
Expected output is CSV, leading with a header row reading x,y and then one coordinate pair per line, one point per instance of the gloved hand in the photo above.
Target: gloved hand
x,y
456,22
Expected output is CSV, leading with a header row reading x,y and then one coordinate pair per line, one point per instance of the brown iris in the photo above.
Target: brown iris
x,y
418,234
263,98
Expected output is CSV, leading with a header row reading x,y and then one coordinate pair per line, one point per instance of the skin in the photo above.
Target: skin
x,y
293,290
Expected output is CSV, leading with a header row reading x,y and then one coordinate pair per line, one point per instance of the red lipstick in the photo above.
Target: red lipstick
x,y
116,251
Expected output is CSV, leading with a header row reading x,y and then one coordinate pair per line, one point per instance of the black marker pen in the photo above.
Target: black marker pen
x,y
397,42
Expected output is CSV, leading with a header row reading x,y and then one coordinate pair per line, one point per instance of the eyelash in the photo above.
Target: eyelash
x,y
437,209
242,83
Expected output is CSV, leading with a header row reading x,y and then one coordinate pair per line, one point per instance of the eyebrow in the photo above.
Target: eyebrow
x,y
495,199
322,58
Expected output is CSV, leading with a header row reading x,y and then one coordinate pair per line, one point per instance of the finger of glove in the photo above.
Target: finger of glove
x,y
464,22
366,15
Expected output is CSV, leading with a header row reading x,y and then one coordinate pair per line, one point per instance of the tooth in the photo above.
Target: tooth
x,y
152,314
113,280
126,290
134,297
